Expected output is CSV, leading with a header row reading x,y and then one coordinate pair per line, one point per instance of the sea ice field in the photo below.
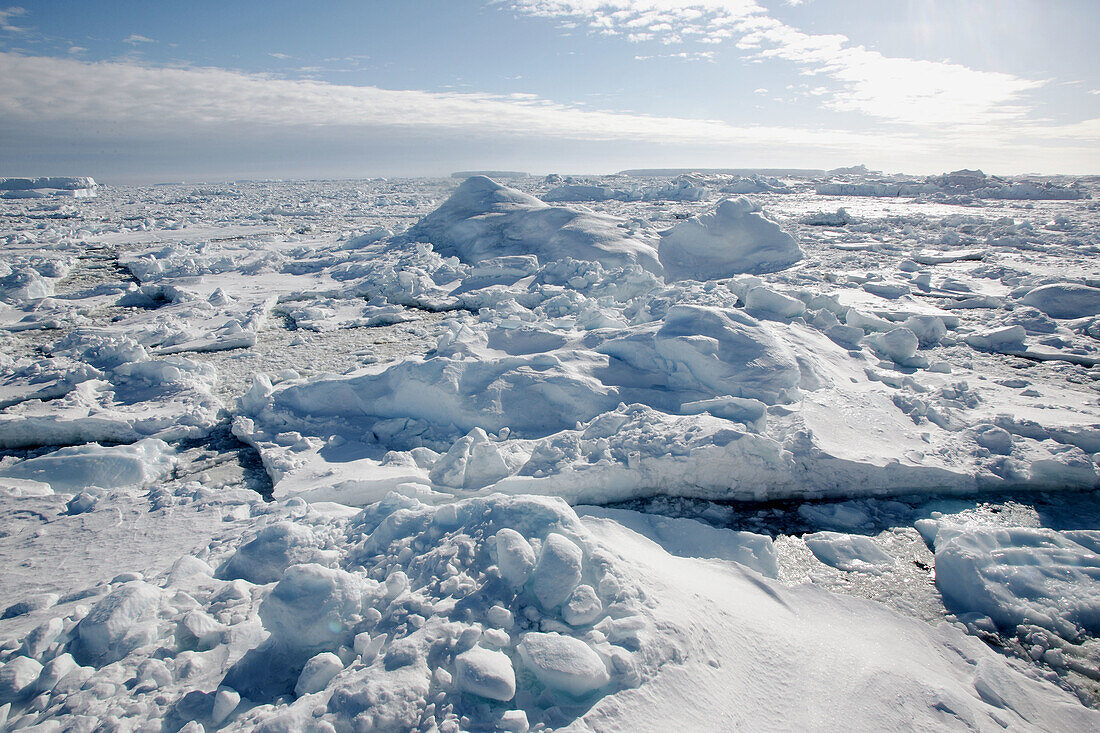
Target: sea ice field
x,y
662,450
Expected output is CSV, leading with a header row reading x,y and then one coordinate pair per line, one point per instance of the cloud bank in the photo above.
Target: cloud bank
x,y
132,112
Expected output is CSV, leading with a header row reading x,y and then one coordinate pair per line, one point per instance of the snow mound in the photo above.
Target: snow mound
x,y
737,237
698,352
483,219
691,538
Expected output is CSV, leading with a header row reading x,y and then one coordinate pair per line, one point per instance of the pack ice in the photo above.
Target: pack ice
x,y
464,405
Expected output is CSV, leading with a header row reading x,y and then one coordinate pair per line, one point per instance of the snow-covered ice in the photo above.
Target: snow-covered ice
x,y
469,454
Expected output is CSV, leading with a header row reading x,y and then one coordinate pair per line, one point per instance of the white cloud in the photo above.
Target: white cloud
x,y
680,56
134,39
912,91
6,15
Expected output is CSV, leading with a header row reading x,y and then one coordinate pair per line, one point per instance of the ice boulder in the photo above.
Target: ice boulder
x,y
484,219
563,663
1065,300
486,673
558,571
737,237
17,678
928,329
899,344
515,558
317,673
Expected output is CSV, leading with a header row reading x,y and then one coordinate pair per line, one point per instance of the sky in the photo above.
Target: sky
x,y
140,91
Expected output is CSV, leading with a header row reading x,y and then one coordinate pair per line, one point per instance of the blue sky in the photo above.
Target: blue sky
x,y
146,90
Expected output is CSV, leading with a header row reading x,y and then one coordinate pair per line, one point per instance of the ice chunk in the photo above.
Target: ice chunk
x,y
36,643
29,605
994,439
582,607
275,548
483,219
889,290
81,503
1065,300
486,673
471,463
105,633
17,678
317,673
838,218
225,702
899,344
558,570
1007,339
772,302
563,663
848,552
515,558
514,721
54,670
928,329
73,469
736,237
24,284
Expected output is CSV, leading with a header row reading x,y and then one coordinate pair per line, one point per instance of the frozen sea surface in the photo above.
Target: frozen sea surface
x,y
597,453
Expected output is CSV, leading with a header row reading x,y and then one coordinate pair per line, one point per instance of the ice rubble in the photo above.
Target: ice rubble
x,y
964,183
504,613
100,387
595,375
568,369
